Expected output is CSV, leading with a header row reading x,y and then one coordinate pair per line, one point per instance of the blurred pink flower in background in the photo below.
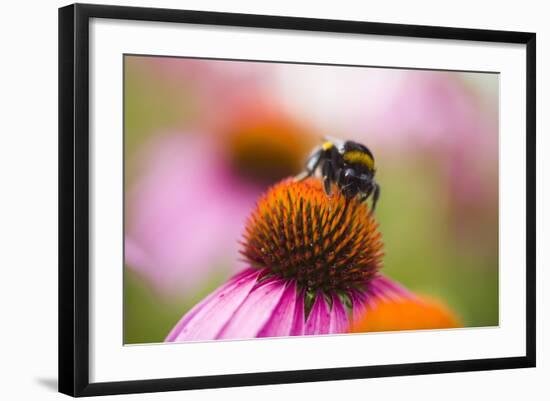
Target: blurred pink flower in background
x,y
403,113
431,108
185,213
438,112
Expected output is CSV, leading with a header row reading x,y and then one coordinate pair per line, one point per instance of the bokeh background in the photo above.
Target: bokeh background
x,y
204,138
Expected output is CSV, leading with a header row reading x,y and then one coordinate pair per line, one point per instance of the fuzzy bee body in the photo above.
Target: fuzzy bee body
x,y
348,164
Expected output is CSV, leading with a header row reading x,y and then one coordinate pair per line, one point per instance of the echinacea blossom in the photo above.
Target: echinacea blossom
x,y
314,264
263,142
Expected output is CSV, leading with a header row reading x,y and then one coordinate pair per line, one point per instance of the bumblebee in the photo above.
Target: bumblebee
x,y
349,165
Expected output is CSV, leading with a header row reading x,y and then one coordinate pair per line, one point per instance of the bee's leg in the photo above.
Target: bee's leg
x,y
363,196
328,176
341,178
302,176
375,197
312,164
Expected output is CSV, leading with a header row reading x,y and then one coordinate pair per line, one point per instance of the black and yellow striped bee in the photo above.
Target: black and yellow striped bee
x,y
349,165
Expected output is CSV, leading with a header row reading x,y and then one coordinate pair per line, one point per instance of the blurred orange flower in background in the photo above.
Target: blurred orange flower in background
x,y
263,142
415,313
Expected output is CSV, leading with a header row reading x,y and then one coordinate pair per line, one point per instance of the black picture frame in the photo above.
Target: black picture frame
x,y
74,198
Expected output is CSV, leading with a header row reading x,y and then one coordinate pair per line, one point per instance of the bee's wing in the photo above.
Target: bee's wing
x,y
312,163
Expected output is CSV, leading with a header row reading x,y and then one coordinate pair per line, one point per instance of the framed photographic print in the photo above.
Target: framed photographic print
x,y
251,199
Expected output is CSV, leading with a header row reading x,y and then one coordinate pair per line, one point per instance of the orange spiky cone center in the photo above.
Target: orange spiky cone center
x,y
323,242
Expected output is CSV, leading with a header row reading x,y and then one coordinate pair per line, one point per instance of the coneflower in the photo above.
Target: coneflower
x,y
263,143
314,264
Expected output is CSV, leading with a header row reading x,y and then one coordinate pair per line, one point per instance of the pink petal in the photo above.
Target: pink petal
x,y
208,318
318,321
360,302
380,288
339,321
282,320
253,313
389,288
299,319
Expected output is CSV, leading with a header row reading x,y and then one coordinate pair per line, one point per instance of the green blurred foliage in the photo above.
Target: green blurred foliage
x,y
152,103
420,251
148,315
